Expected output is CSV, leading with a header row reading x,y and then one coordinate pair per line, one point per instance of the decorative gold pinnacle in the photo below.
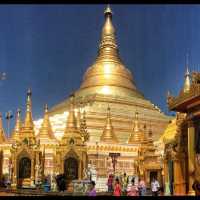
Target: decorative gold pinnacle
x,y
108,132
46,129
18,126
187,82
108,10
71,120
2,134
137,135
71,133
28,122
108,46
27,130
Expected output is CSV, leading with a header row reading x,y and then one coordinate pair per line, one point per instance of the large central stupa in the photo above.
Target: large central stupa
x,y
108,82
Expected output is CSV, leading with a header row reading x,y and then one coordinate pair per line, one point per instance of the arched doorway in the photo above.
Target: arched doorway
x,y
24,171
71,168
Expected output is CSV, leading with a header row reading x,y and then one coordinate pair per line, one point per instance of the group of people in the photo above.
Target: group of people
x,y
121,186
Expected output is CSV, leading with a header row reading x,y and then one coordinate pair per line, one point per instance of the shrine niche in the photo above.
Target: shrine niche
x,y
23,171
71,168
25,168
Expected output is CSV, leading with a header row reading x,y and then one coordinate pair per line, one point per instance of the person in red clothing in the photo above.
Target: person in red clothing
x,y
117,188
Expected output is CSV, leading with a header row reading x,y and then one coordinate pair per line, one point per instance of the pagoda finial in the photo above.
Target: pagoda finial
x,y
187,82
108,46
45,131
46,108
28,122
18,126
137,135
108,10
108,132
71,120
2,134
27,130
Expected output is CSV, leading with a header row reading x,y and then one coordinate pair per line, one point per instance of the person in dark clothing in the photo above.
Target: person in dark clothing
x,y
62,183
196,187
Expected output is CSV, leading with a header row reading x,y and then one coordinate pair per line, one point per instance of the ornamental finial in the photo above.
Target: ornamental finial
x,y
108,10
28,122
46,108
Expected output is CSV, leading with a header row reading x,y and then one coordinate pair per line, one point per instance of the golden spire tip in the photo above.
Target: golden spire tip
x,y
187,71
29,92
46,108
108,10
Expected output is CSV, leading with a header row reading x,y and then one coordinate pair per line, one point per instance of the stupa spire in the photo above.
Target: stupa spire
x,y
187,82
28,122
137,135
46,129
27,131
108,46
71,120
18,126
108,132
2,134
72,133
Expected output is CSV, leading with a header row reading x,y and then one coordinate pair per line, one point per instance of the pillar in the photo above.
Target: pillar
x,y
166,178
179,182
14,176
191,156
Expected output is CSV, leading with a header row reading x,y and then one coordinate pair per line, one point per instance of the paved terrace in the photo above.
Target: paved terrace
x,y
34,192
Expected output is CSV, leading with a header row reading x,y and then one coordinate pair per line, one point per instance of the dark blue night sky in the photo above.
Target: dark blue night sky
x,y
49,47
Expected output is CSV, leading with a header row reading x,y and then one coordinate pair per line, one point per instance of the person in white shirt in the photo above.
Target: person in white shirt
x,y
155,187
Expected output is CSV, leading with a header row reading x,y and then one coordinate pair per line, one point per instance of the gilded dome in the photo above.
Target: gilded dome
x,y
108,73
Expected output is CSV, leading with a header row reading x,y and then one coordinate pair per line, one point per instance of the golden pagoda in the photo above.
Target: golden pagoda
x,y
107,81
83,129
